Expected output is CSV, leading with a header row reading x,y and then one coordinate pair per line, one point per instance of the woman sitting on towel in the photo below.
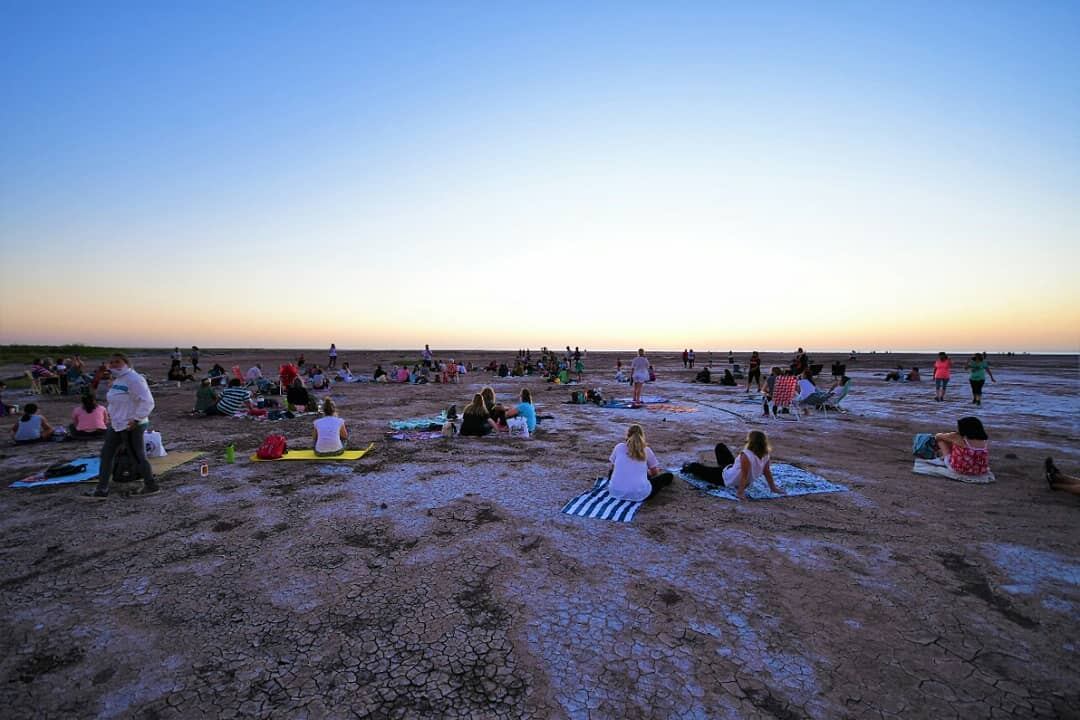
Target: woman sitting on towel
x,y
476,421
525,409
752,463
30,426
966,451
89,420
330,433
635,473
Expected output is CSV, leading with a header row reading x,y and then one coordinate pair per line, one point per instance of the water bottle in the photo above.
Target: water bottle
x,y
230,453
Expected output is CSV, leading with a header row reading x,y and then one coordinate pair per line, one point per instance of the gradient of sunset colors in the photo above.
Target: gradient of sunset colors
x,y
834,175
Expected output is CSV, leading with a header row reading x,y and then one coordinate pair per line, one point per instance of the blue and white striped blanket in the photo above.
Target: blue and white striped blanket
x,y
598,503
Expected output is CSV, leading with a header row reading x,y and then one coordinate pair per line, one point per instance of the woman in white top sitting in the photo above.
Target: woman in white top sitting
x,y
738,473
635,472
330,433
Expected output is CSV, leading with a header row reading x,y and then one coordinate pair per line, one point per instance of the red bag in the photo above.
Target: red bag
x,y
272,448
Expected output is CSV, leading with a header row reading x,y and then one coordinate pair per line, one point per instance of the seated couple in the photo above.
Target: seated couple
x,y
810,397
737,473
484,415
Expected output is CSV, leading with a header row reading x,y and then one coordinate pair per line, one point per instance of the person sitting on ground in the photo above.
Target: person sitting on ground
x,y
476,420
379,375
345,373
728,380
5,409
488,394
88,419
217,375
234,399
298,396
1059,481
966,451
402,375
331,435
738,473
914,376
31,427
254,374
525,409
704,375
634,472
178,374
809,396
319,381
205,397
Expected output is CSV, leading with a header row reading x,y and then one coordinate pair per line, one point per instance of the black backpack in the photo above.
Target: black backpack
x,y
125,463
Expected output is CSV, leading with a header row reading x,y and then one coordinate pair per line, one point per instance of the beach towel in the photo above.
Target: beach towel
x,y
160,466
794,480
414,435
620,405
645,399
425,423
598,503
670,408
937,467
311,456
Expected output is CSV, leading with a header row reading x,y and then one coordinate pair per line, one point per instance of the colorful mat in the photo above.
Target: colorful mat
x,y
418,423
938,468
645,399
670,408
794,480
598,503
160,466
310,455
414,435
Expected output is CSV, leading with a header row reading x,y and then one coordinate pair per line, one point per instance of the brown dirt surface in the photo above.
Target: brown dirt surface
x,y
438,579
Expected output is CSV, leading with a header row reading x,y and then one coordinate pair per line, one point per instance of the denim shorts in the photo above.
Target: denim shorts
x,y
940,383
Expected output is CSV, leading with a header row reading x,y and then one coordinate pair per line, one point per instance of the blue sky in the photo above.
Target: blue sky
x,y
492,174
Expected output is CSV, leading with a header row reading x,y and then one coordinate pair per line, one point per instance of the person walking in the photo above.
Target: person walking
x,y
942,371
130,404
978,368
690,358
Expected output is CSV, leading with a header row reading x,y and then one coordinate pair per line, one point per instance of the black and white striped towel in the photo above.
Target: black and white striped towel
x,y
598,503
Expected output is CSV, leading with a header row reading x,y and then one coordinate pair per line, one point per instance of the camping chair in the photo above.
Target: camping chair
x,y
833,401
784,391
35,386
238,375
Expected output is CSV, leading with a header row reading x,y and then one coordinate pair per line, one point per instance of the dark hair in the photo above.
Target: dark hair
x,y
88,402
526,395
120,356
971,427
28,411
235,382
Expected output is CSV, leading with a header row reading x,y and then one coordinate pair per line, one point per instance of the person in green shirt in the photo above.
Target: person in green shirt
x,y
205,397
979,370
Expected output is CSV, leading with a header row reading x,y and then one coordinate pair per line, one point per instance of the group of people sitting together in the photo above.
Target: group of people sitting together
x,y
548,366
484,415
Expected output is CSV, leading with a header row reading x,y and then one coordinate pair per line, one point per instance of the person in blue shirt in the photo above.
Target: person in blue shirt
x,y
525,409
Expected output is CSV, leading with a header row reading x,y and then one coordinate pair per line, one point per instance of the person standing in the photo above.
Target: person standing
x,y
685,358
427,357
753,373
194,359
639,373
942,371
130,404
978,368
332,357
690,358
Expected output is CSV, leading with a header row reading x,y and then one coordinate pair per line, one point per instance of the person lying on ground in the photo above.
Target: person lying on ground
x,y
234,399
205,396
88,419
476,421
331,436
731,472
525,409
966,451
634,473
31,427
1059,481
896,375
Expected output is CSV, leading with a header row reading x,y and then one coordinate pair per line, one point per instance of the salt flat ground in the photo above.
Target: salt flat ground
x,y
438,579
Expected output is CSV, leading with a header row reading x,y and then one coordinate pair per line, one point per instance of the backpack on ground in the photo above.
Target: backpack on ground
x,y
64,469
924,446
272,448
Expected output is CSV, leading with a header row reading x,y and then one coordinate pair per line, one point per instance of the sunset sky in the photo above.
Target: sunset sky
x,y
834,175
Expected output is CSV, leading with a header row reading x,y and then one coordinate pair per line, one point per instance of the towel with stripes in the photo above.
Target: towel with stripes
x,y
599,503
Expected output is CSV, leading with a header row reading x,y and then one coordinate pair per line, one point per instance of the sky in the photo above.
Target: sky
x,y
834,175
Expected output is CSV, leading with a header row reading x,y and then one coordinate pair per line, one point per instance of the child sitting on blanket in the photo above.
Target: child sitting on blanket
x,y
966,451
752,463
31,427
330,432
634,472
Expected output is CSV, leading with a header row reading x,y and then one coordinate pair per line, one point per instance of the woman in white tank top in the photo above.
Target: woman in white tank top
x,y
751,463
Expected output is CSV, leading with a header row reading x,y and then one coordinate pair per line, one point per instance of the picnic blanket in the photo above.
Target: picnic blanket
x,y
415,435
424,423
794,480
598,503
645,399
160,466
311,456
670,408
938,468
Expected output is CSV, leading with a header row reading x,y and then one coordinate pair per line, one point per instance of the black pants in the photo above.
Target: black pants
x,y
976,387
331,361
659,482
709,473
753,375
133,438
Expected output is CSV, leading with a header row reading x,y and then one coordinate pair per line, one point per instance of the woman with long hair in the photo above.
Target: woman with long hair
x,y
634,471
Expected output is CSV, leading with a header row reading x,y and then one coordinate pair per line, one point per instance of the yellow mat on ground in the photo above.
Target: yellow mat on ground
x,y
311,456
174,459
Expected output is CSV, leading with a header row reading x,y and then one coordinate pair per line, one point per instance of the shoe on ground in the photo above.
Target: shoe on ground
x,y
94,495
146,490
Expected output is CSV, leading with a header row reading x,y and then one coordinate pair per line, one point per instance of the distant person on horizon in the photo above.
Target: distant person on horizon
x,y
194,358
331,357
634,472
427,357
942,371
690,358
753,372
685,358
978,368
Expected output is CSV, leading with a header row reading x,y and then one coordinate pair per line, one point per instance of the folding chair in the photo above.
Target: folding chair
x,y
784,390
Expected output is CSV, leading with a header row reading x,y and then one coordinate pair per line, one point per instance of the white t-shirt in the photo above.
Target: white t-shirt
x,y
757,468
806,389
630,479
253,374
329,429
639,369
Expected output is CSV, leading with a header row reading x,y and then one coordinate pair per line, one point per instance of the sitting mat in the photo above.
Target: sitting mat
x,y
598,503
938,468
310,455
160,466
794,480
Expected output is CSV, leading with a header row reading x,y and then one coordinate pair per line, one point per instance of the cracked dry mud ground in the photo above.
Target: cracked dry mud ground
x,y
438,579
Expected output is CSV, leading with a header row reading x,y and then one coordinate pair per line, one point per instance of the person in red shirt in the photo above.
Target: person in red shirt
x,y
942,370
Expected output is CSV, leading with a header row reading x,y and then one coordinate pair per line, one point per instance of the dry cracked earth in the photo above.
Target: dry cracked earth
x,y
438,579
